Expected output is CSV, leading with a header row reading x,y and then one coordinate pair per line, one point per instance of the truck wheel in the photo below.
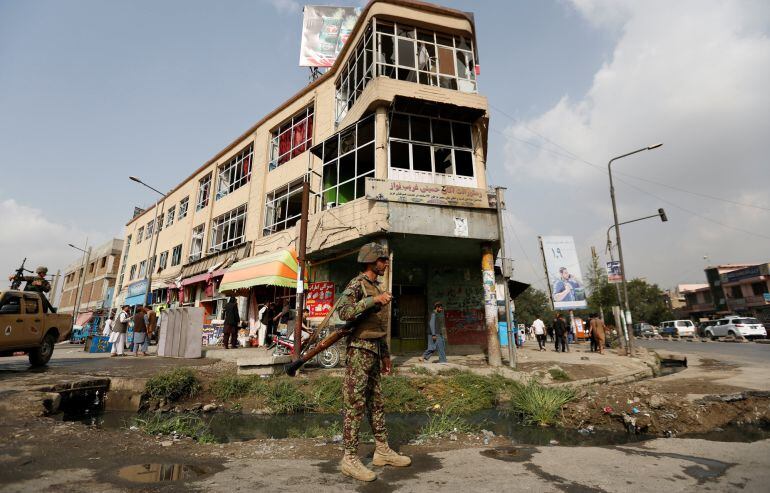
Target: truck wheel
x,y
40,355
329,358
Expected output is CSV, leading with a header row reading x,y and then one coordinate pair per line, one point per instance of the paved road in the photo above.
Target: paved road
x,y
732,352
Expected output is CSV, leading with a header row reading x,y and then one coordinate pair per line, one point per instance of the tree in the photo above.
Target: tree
x,y
645,300
531,304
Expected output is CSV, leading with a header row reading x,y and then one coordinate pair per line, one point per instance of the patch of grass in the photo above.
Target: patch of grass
x,y
231,387
402,394
468,392
283,397
559,375
173,385
325,394
187,424
537,404
443,424
420,370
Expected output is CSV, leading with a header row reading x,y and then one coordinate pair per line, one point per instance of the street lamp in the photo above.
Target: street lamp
x,y
156,232
81,281
627,313
661,214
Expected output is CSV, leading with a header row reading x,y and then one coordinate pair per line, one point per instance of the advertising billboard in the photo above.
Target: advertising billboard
x,y
563,272
324,31
613,272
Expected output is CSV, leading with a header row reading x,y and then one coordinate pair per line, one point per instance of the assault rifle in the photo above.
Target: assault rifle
x,y
18,277
328,341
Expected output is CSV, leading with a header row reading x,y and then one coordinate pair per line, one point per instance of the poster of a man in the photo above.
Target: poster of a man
x,y
563,271
567,288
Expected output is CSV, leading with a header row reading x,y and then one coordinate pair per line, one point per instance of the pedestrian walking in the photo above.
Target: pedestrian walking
x,y
437,334
367,358
538,328
597,328
232,321
119,330
591,337
151,319
560,331
141,341
107,330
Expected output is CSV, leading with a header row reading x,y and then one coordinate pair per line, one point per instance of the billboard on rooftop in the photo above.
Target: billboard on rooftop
x,y
325,30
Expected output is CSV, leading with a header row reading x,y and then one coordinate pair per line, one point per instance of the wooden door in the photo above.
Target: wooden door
x,y
411,321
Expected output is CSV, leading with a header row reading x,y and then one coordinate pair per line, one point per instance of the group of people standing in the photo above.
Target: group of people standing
x,y
271,319
561,334
145,325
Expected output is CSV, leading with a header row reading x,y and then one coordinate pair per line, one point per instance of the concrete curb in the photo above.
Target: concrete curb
x,y
620,378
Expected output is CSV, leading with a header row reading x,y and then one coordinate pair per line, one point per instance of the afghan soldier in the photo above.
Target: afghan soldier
x,y
367,358
39,284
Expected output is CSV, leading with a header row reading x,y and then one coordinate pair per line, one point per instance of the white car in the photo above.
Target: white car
x,y
680,328
748,327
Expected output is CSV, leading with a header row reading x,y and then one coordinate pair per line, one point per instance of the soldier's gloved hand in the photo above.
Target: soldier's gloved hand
x,y
383,299
386,365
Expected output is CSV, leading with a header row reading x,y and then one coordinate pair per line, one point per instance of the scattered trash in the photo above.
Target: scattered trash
x,y
554,442
607,410
635,410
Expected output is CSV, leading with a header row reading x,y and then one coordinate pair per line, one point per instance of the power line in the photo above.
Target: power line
x,y
601,168
575,157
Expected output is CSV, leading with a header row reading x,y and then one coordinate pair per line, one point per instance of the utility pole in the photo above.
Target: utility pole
x,y
512,356
55,287
301,253
495,359
81,281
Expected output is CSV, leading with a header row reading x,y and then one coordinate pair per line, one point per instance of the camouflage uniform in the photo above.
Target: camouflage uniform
x,y
361,387
43,287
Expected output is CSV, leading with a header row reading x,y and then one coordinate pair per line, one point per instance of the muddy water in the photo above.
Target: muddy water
x,y
402,428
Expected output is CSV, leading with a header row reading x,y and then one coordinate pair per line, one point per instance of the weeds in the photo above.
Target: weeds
x,y
231,387
559,375
540,405
443,424
283,397
188,425
317,431
173,385
326,394
468,392
402,395
420,370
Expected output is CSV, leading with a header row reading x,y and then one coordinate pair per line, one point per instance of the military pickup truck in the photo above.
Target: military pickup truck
x,y
24,327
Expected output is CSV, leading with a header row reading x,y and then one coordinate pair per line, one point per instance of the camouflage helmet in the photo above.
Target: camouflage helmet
x,y
41,270
371,252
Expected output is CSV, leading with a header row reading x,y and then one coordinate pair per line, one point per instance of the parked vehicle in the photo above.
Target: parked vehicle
x,y
27,328
704,326
678,328
748,327
643,329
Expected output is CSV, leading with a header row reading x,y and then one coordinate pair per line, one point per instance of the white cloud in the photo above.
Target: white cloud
x,y
286,6
692,74
28,233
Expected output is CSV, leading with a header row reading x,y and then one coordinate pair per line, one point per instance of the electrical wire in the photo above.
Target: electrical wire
x,y
575,157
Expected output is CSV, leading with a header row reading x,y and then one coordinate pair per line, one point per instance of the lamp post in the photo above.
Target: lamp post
x,y
627,312
662,215
153,240
81,281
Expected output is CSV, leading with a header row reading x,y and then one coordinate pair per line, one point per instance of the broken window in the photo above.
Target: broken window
x,y
183,204
204,187
139,235
176,255
292,138
235,173
228,230
196,243
348,160
430,145
283,207
170,215
355,74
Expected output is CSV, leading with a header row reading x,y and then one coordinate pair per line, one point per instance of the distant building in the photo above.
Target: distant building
x,y
98,279
732,288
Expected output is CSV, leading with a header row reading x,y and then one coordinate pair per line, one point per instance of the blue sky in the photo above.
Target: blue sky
x,y
92,91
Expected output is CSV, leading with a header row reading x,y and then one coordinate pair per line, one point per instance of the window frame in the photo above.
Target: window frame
x,y
306,117
228,223
196,255
281,194
176,255
170,215
139,235
204,192
184,208
235,173
162,261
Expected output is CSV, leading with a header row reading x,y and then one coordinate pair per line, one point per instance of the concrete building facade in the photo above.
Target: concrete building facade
x,y
393,142
98,279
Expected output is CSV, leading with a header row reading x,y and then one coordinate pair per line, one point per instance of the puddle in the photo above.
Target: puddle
x,y
163,473
671,366
734,433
